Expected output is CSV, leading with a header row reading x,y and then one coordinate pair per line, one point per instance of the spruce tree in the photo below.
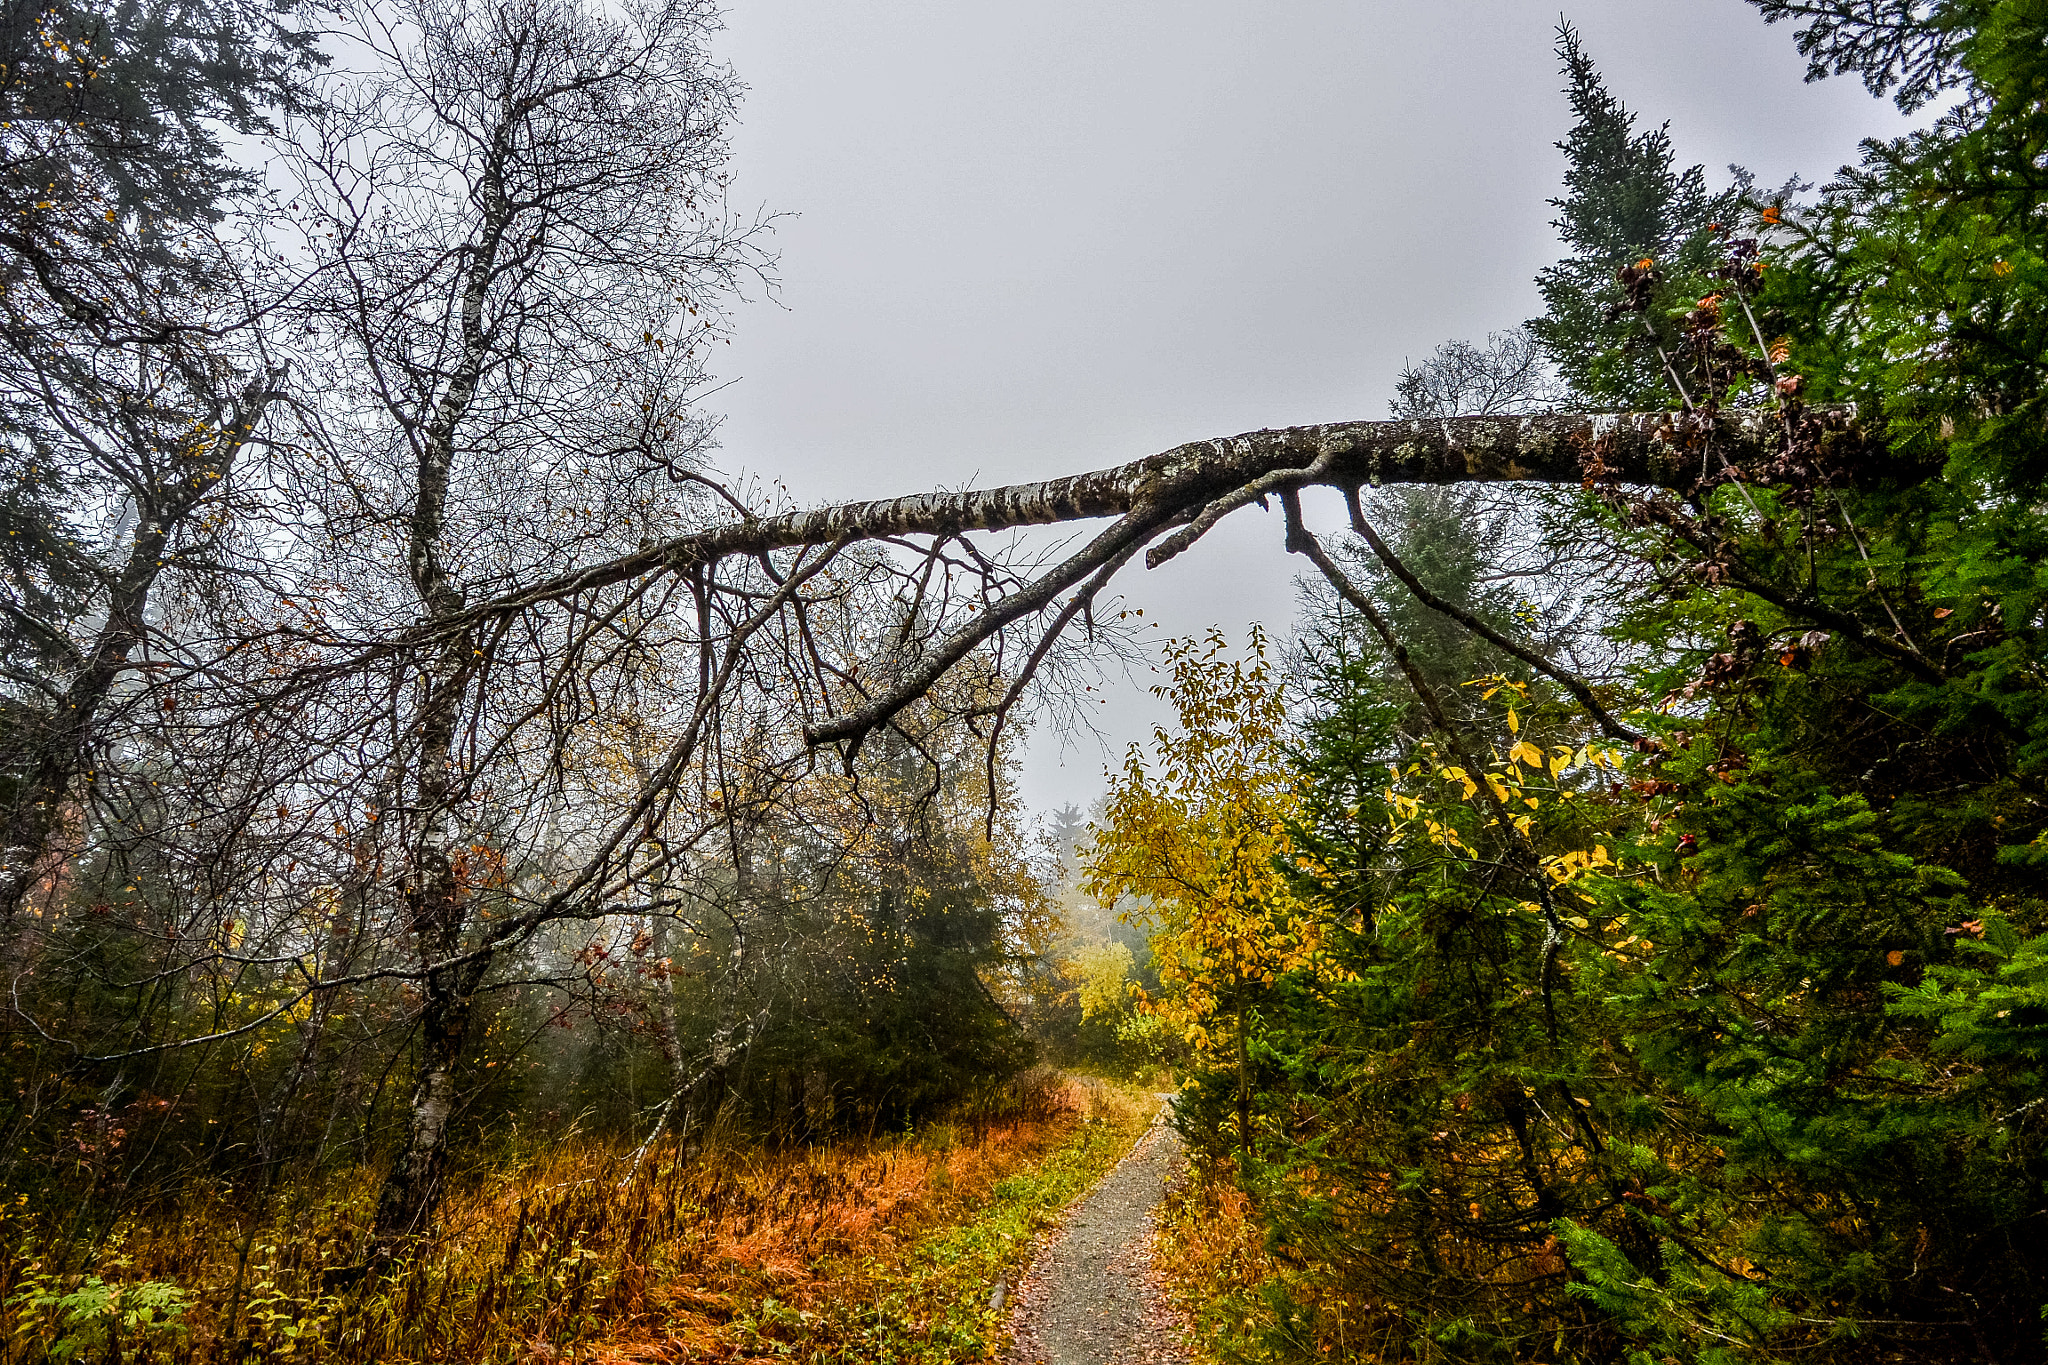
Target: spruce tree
x,y
1625,200
1770,1090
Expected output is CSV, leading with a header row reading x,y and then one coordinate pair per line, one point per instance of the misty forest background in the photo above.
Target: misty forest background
x,y
466,854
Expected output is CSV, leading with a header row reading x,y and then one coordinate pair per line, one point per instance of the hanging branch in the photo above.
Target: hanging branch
x,y
1566,679
1110,546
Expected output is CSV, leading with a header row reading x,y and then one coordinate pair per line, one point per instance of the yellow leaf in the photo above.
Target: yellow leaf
x,y
1526,753
1514,722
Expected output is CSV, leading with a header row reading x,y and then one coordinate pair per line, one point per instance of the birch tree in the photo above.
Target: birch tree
x,y
517,220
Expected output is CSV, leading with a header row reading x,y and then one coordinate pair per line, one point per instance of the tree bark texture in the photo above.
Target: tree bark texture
x,y
1649,449
437,899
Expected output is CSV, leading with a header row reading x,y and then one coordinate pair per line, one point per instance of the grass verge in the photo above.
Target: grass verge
x,y
929,1302
1214,1260
1245,1303
878,1252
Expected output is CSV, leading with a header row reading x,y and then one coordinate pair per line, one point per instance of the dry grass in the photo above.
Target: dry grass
x,y
1309,1301
1213,1256
862,1252
1220,1272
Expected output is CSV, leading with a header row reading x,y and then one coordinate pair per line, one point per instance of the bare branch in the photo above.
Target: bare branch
x,y
1564,677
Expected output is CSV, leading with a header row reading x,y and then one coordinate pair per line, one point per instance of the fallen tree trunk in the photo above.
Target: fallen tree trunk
x,y
1652,449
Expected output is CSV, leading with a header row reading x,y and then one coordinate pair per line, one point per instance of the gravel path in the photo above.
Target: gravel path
x,y
1092,1296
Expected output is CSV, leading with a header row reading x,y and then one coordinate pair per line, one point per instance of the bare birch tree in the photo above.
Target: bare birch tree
x,y
518,218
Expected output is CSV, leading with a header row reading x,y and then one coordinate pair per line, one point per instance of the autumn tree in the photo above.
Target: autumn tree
x,y
1198,833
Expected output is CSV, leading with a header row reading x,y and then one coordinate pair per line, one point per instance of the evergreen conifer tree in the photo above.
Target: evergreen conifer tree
x,y
1768,1087
1625,200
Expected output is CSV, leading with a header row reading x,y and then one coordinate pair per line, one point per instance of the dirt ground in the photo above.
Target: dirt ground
x,y
1092,1295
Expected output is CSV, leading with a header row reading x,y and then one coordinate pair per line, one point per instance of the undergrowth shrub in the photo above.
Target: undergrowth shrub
x,y
868,1251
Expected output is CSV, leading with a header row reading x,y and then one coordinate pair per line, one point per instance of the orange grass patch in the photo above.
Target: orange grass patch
x,y
577,1254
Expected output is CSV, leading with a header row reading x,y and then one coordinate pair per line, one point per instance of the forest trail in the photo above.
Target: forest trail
x,y
1092,1296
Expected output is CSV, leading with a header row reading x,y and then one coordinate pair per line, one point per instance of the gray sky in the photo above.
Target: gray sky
x,y
1035,239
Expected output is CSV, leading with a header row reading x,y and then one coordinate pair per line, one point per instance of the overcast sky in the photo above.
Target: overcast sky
x,y
1028,240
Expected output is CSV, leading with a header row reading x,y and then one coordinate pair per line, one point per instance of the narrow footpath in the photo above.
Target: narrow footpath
x,y
1092,1296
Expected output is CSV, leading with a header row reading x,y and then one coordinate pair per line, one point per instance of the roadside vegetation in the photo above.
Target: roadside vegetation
x,y
1613,929
870,1250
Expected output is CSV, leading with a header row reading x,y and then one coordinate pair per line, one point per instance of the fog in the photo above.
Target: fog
x,y
1029,240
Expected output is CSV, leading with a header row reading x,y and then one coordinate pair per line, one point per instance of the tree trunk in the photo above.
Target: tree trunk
x,y
412,1192
1244,1098
439,905
667,1035
438,901
59,746
1635,448
1173,497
